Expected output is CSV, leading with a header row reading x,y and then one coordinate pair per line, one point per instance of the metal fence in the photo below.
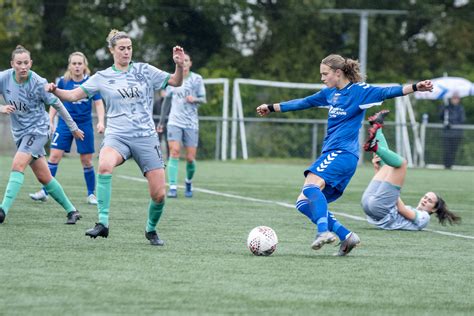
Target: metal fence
x,y
301,138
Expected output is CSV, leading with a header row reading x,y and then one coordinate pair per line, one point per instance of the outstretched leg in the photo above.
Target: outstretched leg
x,y
316,209
54,188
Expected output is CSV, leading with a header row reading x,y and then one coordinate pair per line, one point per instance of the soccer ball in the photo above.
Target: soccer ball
x,y
262,241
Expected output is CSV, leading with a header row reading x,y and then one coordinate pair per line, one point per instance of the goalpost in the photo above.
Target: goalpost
x,y
403,108
225,112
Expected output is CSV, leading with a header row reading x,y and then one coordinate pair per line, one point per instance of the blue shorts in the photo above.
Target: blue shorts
x,y
62,138
336,168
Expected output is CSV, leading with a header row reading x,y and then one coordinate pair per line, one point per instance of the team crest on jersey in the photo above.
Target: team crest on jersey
x,y
31,95
139,77
335,98
8,91
111,81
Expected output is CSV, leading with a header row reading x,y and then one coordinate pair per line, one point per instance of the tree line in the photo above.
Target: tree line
x,y
263,39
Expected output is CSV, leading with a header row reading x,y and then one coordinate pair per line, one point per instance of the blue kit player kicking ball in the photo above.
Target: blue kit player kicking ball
x,y
25,93
348,98
127,89
81,111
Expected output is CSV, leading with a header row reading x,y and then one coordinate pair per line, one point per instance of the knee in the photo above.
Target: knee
x,y
86,162
106,168
19,166
174,153
158,196
54,158
404,164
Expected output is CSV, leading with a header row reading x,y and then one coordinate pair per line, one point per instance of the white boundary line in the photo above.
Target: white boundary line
x,y
238,197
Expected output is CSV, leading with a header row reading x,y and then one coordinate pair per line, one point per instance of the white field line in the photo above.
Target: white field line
x,y
238,197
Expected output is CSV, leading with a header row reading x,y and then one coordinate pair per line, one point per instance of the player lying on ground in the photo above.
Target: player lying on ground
x,y
381,200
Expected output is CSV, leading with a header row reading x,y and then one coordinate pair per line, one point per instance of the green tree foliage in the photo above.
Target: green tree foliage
x,y
262,39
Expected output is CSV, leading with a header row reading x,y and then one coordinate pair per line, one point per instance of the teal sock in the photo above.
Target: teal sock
x,y
104,192
13,187
173,171
56,191
190,169
389,157
380,137
154,213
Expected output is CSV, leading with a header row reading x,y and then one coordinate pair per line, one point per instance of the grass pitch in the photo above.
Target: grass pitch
x,y
48,268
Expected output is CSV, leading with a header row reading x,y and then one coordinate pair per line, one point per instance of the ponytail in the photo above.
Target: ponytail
x,y
350,67
444,214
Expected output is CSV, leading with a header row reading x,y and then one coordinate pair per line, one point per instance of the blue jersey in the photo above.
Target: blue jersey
x,y
81,110
346,111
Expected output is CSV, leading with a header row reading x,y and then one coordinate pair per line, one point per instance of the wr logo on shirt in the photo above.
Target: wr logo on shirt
x,y
20,106
130,92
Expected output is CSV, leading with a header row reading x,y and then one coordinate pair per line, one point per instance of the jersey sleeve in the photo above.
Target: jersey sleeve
x,y
159,78
3,77
91,86
422,219
200,90
61,84
371,96
169,91
317,99
96,97
47,97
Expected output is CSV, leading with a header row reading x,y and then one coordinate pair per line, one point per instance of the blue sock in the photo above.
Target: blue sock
x,y
89,176
318,206
53,168
337,227
303,207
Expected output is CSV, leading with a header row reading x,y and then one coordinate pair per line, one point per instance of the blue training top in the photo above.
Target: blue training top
x,y
346,111
81,110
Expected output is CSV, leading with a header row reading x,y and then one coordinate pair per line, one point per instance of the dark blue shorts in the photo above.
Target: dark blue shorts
x,y
62,138
336,168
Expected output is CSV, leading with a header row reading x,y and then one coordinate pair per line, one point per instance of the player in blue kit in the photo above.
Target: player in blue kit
x,y
348,98
127,89
25,93
381,200
81,111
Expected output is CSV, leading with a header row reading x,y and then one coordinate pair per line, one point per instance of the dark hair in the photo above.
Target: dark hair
x,y
444,214
350,67
20,50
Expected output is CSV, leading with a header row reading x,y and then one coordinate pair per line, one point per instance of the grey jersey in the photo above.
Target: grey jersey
x,y
184,114
29,99
394,220
128,97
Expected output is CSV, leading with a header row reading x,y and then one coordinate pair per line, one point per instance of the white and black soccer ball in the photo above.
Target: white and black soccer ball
x,y
262,241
